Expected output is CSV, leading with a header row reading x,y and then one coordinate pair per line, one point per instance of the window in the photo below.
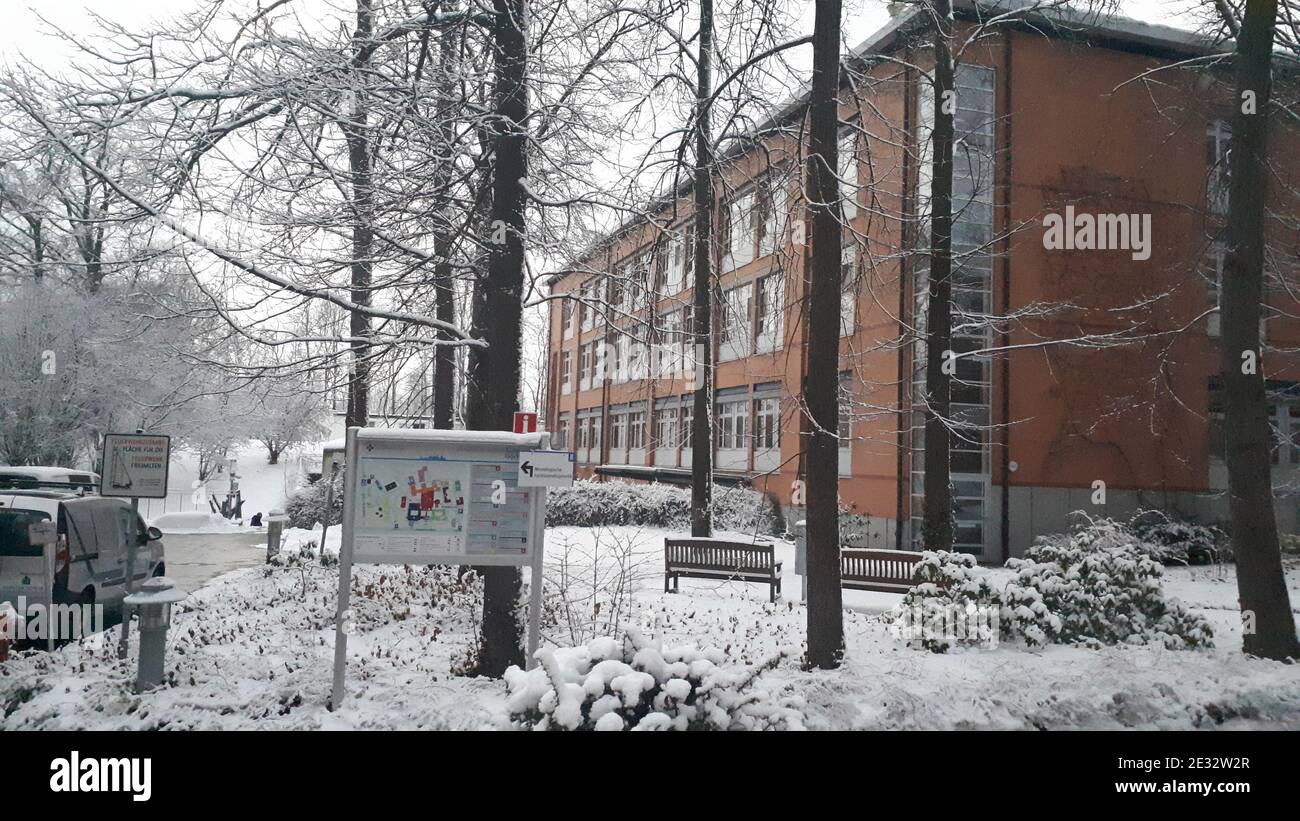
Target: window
x,y
845,430
600,361
848,171
636,359
595,435
769,312
617,285
561,438
1218,148
636,430
848,287
734,333
566,372
588,295
668,353
566,318
774,208
584,435
688,419
767,424
584,366
732,417
666,428
740,230
618,431
677,260
622,350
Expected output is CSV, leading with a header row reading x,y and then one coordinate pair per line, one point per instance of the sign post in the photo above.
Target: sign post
x,y
440,497
45,534
135,465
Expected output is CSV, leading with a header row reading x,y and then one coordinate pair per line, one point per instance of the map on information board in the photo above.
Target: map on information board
x,y
449,501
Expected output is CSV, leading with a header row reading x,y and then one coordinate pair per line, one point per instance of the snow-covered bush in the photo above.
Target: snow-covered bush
x,y
1174,542
1095,585
1290,543
306,505
637,685
592,504
953,604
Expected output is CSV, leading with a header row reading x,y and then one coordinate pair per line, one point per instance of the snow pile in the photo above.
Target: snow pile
x,y
196,522
1096,586
590,504
640,686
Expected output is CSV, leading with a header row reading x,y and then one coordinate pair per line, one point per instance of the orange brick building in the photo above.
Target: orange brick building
x,y
1083,368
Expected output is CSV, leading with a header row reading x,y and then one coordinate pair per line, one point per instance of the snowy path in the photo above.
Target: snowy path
x,y
193,560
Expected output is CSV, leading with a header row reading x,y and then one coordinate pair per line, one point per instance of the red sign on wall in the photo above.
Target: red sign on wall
x,y
525,422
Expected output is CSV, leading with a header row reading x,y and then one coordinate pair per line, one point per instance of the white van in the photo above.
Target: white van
x,y
36,475
93,536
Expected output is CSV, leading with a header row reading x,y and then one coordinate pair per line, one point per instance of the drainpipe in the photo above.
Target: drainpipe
x,y
1004,338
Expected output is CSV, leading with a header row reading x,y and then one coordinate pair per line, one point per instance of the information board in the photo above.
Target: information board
x,y
135,465
439,496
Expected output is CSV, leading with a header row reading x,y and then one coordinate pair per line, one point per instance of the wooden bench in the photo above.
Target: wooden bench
x,y
719,559
883,571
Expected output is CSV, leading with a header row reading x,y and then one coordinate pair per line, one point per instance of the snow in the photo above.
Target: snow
x,y
197,522
254,649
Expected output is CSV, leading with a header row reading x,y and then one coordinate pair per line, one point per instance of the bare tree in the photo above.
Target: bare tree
x,y
1260,581
821,390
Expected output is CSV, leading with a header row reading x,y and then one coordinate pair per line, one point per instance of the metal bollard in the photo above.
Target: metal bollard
x,y
274,528
154,603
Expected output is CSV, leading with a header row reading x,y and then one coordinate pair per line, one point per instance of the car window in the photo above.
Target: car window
x,y
14,540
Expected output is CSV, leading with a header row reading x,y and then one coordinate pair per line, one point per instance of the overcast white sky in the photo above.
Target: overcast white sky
x,y
21,30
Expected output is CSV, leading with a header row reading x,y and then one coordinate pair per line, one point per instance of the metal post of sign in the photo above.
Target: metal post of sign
x,y
131,546
535,582
345,569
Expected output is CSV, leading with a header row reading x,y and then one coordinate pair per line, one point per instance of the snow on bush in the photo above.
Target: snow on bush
x,y
1095,585
1174,542
953,604
636,685
592,504
306,505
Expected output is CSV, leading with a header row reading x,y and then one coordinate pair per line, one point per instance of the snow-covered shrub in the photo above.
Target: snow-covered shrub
x,y
1290,543
592,504
636,685
1174,542
1095,585
953,604
306,505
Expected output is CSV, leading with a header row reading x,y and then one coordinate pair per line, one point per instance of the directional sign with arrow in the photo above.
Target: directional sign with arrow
x,y
546,468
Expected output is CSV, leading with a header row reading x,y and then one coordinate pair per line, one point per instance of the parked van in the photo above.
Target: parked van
x,y
94,534
37,475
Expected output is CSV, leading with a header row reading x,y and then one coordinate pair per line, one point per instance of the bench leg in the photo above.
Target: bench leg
x,y
771,591
676,583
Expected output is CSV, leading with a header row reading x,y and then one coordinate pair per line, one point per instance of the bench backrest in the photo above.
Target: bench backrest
x,y
719,554
860,564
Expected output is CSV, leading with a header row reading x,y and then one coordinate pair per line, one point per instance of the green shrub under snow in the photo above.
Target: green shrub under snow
x,y
600,504
305,507
953,604
1174,542
1094,585
637,685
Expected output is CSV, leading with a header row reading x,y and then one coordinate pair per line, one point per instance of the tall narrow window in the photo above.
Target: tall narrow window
x,y
848,288
769,312
848,171
740,230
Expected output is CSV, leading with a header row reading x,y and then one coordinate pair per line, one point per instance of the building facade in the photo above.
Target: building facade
x,y
1088,199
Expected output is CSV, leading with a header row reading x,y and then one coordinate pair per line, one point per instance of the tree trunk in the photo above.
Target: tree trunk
x,y
494,370
821,388
937,527
702,424
1260,583
444,356
356,132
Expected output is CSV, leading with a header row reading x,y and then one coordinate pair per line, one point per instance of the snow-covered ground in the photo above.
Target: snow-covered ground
x,y
254,648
